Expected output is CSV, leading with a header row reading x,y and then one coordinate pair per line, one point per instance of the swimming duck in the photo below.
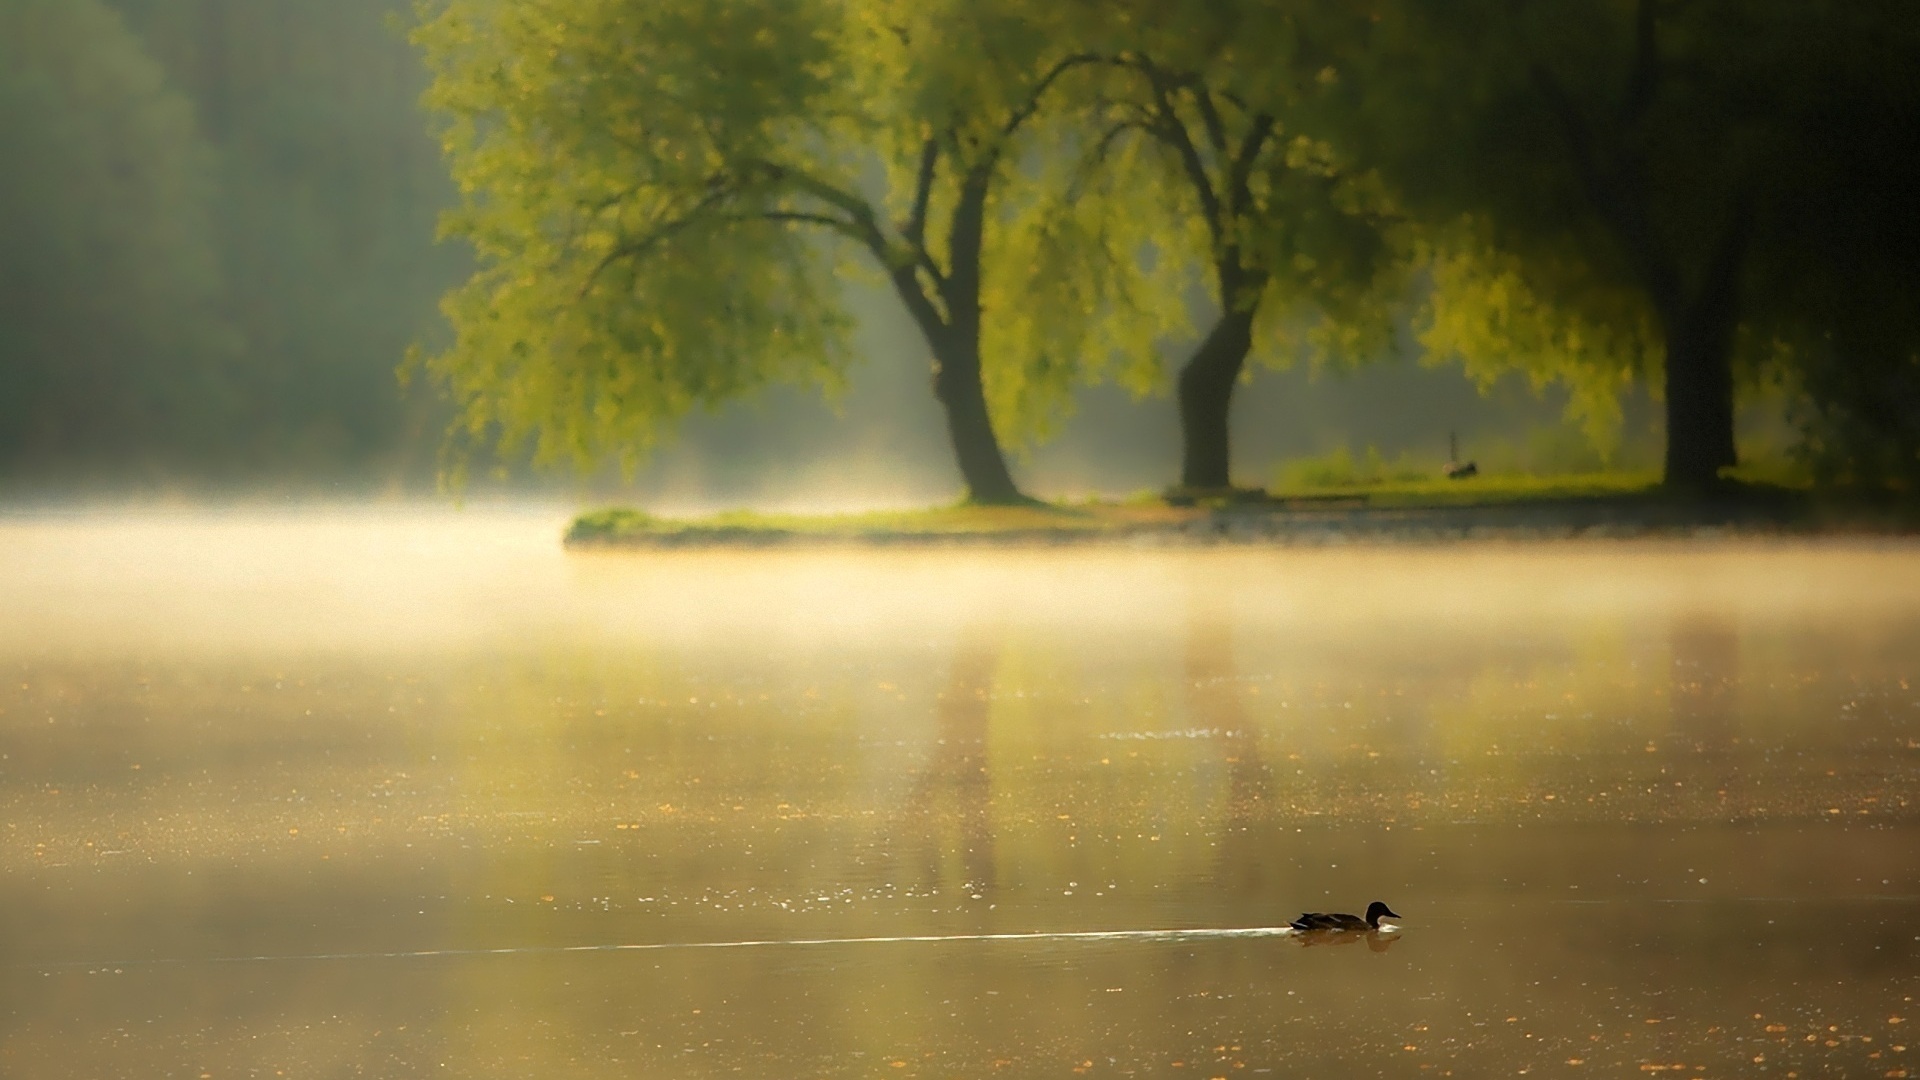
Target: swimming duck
x,y
1314,920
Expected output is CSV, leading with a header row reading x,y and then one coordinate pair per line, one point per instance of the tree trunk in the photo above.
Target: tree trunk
x,y
1699,342
1206,398
1699,400
958,388
956,349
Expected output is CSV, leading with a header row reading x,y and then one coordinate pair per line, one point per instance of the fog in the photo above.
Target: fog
x,y
349,578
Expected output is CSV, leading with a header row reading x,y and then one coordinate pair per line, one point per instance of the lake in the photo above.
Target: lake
x,y
385,793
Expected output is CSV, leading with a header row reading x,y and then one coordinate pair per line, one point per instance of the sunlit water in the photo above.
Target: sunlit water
x,y
329,795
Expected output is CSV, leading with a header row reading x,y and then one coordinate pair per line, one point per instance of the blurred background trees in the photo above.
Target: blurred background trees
x,y
112,336
328,186
218,220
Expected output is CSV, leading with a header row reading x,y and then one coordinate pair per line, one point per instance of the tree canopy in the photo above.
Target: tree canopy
x,y
1623,189
667,197
1292,240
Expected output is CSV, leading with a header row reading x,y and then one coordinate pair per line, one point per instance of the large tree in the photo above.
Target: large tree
x,y
1838,274
664,196
1610,184
1290,239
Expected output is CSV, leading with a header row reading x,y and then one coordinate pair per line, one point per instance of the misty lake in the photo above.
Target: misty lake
x,y
331,794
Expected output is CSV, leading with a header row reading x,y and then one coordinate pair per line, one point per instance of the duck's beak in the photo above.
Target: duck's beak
x,y
1391,914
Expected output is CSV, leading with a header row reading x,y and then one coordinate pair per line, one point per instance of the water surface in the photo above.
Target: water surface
x,y
364,793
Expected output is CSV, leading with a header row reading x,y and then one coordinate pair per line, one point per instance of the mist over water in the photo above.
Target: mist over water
x,y
301,791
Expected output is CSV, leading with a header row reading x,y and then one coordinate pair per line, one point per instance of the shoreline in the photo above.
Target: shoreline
x,y
1284,524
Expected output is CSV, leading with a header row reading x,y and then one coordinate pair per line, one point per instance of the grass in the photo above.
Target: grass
x,y
1485,489
1395,487
962,519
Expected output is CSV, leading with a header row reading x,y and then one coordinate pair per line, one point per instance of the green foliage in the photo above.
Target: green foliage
x,y
1604,182
1340,469
617,525
609,524
618,164
1088,285
1861,420
112,347
1433,489
664,197
1490,311
1203,131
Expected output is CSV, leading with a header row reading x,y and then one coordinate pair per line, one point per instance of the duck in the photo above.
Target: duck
x,y
1314,920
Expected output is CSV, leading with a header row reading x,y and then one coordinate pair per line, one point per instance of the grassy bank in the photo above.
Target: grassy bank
x,y
622,526
1483,490
1512,506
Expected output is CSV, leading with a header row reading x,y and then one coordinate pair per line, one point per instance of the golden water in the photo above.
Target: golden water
x,y
361,793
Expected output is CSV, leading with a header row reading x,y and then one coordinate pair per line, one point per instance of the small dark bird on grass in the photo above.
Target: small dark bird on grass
x,y
1314,920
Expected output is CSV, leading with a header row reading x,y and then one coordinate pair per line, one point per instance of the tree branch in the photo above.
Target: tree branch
x,y
1210,116
1027,108
1240,170
660,234
915,230
861,225
1097,155
906,283
864,225
798,217
1173,131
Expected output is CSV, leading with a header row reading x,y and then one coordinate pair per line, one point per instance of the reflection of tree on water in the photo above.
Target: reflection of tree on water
x,y
952,800
1706,665
1214,702
1213,697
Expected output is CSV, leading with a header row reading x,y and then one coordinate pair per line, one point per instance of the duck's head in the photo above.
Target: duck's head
x,y
1377,909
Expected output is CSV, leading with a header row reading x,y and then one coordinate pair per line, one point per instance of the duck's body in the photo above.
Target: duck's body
x,y
1315,920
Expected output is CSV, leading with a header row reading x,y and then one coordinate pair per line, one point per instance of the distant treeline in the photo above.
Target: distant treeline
x,y
216,239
